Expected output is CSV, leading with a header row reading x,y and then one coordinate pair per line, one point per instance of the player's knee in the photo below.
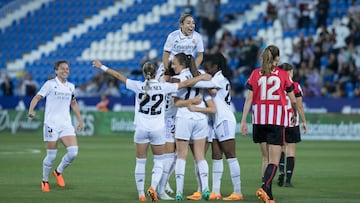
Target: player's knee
x,y
230,155
50,157
72,152
158,163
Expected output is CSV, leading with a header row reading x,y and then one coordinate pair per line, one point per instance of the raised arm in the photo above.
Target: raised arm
x,y
114,73
165,59
199,58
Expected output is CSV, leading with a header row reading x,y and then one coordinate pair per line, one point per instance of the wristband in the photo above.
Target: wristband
x,y
104,68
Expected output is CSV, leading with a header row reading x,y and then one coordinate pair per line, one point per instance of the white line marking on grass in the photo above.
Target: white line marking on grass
x,y
25,151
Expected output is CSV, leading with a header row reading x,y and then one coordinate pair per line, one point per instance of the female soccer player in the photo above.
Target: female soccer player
x,y
184,40
266,92
224,125
189,126
292,133
59,95
149,121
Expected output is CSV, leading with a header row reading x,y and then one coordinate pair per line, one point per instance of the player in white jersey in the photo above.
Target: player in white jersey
x,y
189,126
184,40
224,125
149,121
59,95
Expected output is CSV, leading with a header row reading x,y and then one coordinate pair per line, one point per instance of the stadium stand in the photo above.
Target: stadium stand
x,y
123,34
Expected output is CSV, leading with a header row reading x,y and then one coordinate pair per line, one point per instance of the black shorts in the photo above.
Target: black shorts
x,y
292,134
271,134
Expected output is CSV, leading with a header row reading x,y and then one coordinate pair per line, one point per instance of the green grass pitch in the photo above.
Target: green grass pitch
x,y
325,171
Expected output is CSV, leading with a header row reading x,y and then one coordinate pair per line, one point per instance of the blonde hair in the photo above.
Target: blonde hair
x,y
183,17
149,71
267,59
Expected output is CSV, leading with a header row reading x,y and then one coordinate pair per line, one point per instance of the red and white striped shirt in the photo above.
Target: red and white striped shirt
x,y
298,93
269,97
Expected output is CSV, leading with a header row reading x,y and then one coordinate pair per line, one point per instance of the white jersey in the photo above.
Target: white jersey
x,y
177,42
222,100
149,112
170,109
190,93
58,99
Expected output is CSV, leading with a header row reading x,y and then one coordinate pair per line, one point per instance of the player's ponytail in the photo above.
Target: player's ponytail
x,y
267,59
190,63
149,72
221,62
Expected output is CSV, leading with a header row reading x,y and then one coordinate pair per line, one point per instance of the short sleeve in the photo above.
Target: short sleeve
x,y
132,85
168,43
45,89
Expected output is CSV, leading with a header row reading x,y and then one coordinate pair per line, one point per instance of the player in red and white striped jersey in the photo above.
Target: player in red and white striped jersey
x,y
292,133
266,93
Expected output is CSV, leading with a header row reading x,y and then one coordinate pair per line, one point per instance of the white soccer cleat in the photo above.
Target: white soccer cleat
x,y
168,188
165,196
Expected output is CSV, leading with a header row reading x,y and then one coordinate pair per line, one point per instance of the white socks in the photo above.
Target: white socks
x,y
179,175
234,167
140,175
48,162
217,171
203,169
68,158
168,158
157,170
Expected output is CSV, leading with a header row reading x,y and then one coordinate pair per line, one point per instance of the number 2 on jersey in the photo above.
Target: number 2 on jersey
x,y
268,94
153,110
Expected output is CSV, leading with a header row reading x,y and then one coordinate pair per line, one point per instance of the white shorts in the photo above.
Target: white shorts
x,y
211,133
225,131
155,137
189,129
170,129
50,135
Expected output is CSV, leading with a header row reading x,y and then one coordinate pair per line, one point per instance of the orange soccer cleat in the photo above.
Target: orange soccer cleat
x,y
152,194
45,186
59,179
233,196
194,196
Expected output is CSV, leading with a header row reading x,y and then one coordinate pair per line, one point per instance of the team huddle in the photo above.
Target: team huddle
x,y
181,106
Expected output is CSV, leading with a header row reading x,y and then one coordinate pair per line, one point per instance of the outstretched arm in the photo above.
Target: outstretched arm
x,y
114,73
186,102
194,80
209,109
